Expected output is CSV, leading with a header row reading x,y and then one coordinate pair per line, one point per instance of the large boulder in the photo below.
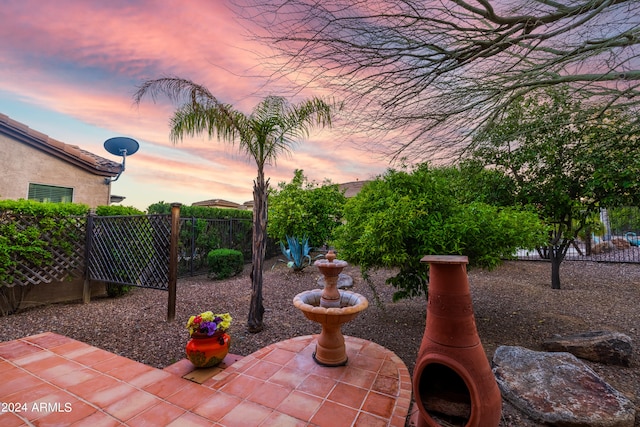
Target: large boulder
x,y
559,389
611,348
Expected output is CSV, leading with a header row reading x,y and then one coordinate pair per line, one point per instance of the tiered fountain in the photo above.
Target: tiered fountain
x,y
331,308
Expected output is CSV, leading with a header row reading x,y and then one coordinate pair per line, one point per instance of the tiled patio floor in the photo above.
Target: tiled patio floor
x,y
53,380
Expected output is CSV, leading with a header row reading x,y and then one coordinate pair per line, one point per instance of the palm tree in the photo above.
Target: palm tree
x,y
272,129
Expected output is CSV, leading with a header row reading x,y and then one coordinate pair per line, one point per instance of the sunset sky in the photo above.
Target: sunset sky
x,y
69,69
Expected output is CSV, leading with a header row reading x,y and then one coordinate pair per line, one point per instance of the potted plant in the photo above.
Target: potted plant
x,y
209,343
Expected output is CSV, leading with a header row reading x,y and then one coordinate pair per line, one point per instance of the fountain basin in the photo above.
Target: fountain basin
x,y
350,305
330,347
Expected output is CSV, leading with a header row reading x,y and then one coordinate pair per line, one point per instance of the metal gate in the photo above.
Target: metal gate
x,y
129,250
139,250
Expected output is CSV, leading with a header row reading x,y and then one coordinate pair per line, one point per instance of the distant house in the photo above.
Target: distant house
x,y
219,203
351,188
37,167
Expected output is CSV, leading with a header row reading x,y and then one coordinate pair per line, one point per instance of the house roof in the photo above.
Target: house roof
x,y
219,203
352,188
67,152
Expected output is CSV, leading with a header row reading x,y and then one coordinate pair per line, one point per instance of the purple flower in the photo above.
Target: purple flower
x,y
208,327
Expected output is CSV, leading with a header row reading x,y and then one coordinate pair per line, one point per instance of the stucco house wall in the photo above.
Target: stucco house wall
x,y
28,156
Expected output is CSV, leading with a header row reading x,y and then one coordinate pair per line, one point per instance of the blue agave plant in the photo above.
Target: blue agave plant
x,y
298,252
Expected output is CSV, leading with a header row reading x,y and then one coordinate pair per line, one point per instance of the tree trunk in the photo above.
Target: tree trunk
x,y
557,255
256,309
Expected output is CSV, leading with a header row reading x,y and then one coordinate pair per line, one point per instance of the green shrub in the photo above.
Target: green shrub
x,y
225,263
116,290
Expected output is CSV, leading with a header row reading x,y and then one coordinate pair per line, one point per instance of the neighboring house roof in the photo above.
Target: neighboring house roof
x,y
219,203
67,152
351,188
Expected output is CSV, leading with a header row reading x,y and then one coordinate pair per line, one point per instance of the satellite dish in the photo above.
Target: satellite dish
x,y
120,146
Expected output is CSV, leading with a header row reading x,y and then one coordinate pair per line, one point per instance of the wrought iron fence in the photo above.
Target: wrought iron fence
x,y
615,237
199,236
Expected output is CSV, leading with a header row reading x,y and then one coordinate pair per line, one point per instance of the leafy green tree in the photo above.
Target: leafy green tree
x,y
302,208
400,217
272,129
567,159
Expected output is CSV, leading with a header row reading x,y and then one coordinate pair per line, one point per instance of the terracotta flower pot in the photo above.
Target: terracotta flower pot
x,y
207,351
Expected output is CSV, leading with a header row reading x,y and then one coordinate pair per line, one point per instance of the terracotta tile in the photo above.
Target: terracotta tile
x,y
29,395
147,378
166,387
330,372
269,395
158,415
130,371
190,395
279,356
368,420
295,345
9,419
386,385
220,380
99,382
93,357
38,360
242,386
67,414
14,383
49,340
334,414
110,395
359,378
379,404
5,366
73,378
217,407
131,405
11,350
366,363
348,395
245,414
300,405
64,368
317,385
97,419
263,370
71,348
288,377
189,419
374,350
56,401
277,419
302,362
113,363
180,368
388,369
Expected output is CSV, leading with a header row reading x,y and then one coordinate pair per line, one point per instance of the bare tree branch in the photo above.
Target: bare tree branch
x,y
420,78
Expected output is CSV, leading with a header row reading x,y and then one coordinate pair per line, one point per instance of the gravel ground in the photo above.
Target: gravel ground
x,y
514,305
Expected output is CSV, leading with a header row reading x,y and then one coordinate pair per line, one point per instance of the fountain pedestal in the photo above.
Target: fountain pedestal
x,y
331,308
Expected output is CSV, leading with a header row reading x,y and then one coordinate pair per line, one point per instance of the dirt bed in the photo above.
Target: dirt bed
x,y
514,305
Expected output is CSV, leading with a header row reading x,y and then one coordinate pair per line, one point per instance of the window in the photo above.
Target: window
x,y
50,193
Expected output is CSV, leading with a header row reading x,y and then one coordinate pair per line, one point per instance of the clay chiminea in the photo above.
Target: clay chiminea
x,y
452,380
